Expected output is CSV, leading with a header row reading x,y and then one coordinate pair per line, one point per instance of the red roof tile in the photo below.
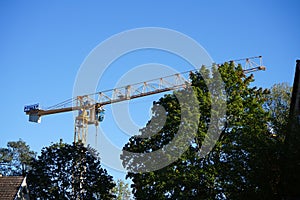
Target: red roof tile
x,y
9,186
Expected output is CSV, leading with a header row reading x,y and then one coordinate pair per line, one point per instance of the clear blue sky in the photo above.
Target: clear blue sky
x,y
42,46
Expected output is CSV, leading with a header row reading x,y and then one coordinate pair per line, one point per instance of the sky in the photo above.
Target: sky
x,y
43,44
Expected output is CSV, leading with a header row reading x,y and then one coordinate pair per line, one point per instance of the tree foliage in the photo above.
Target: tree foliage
x,y
240,165
65,171
15,159
278,105
122,190
286,151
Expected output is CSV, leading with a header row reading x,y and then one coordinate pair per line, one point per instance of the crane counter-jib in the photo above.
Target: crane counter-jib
x,y
35,115
52,111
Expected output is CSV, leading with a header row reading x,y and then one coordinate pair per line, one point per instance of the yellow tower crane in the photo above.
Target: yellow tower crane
x,y
90,107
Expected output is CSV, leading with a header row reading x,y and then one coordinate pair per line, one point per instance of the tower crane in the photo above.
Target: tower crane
x,y
90,107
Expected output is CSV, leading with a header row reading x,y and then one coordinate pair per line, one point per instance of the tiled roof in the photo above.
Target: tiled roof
x,y
9,186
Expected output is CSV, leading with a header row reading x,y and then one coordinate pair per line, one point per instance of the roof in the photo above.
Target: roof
x,y
295,101
9,186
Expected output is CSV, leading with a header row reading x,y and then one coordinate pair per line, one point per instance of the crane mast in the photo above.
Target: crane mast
x,y
90,107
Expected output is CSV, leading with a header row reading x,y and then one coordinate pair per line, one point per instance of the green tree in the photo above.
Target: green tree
x,y
65,171
240,164
16,158
278,105
244,153
122,190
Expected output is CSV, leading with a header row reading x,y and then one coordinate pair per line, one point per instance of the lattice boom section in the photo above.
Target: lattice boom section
x,y
154,86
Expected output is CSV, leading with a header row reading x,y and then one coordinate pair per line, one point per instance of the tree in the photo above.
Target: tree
x,y
122,190
239,165
285,127
65,171
278,105
15,159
